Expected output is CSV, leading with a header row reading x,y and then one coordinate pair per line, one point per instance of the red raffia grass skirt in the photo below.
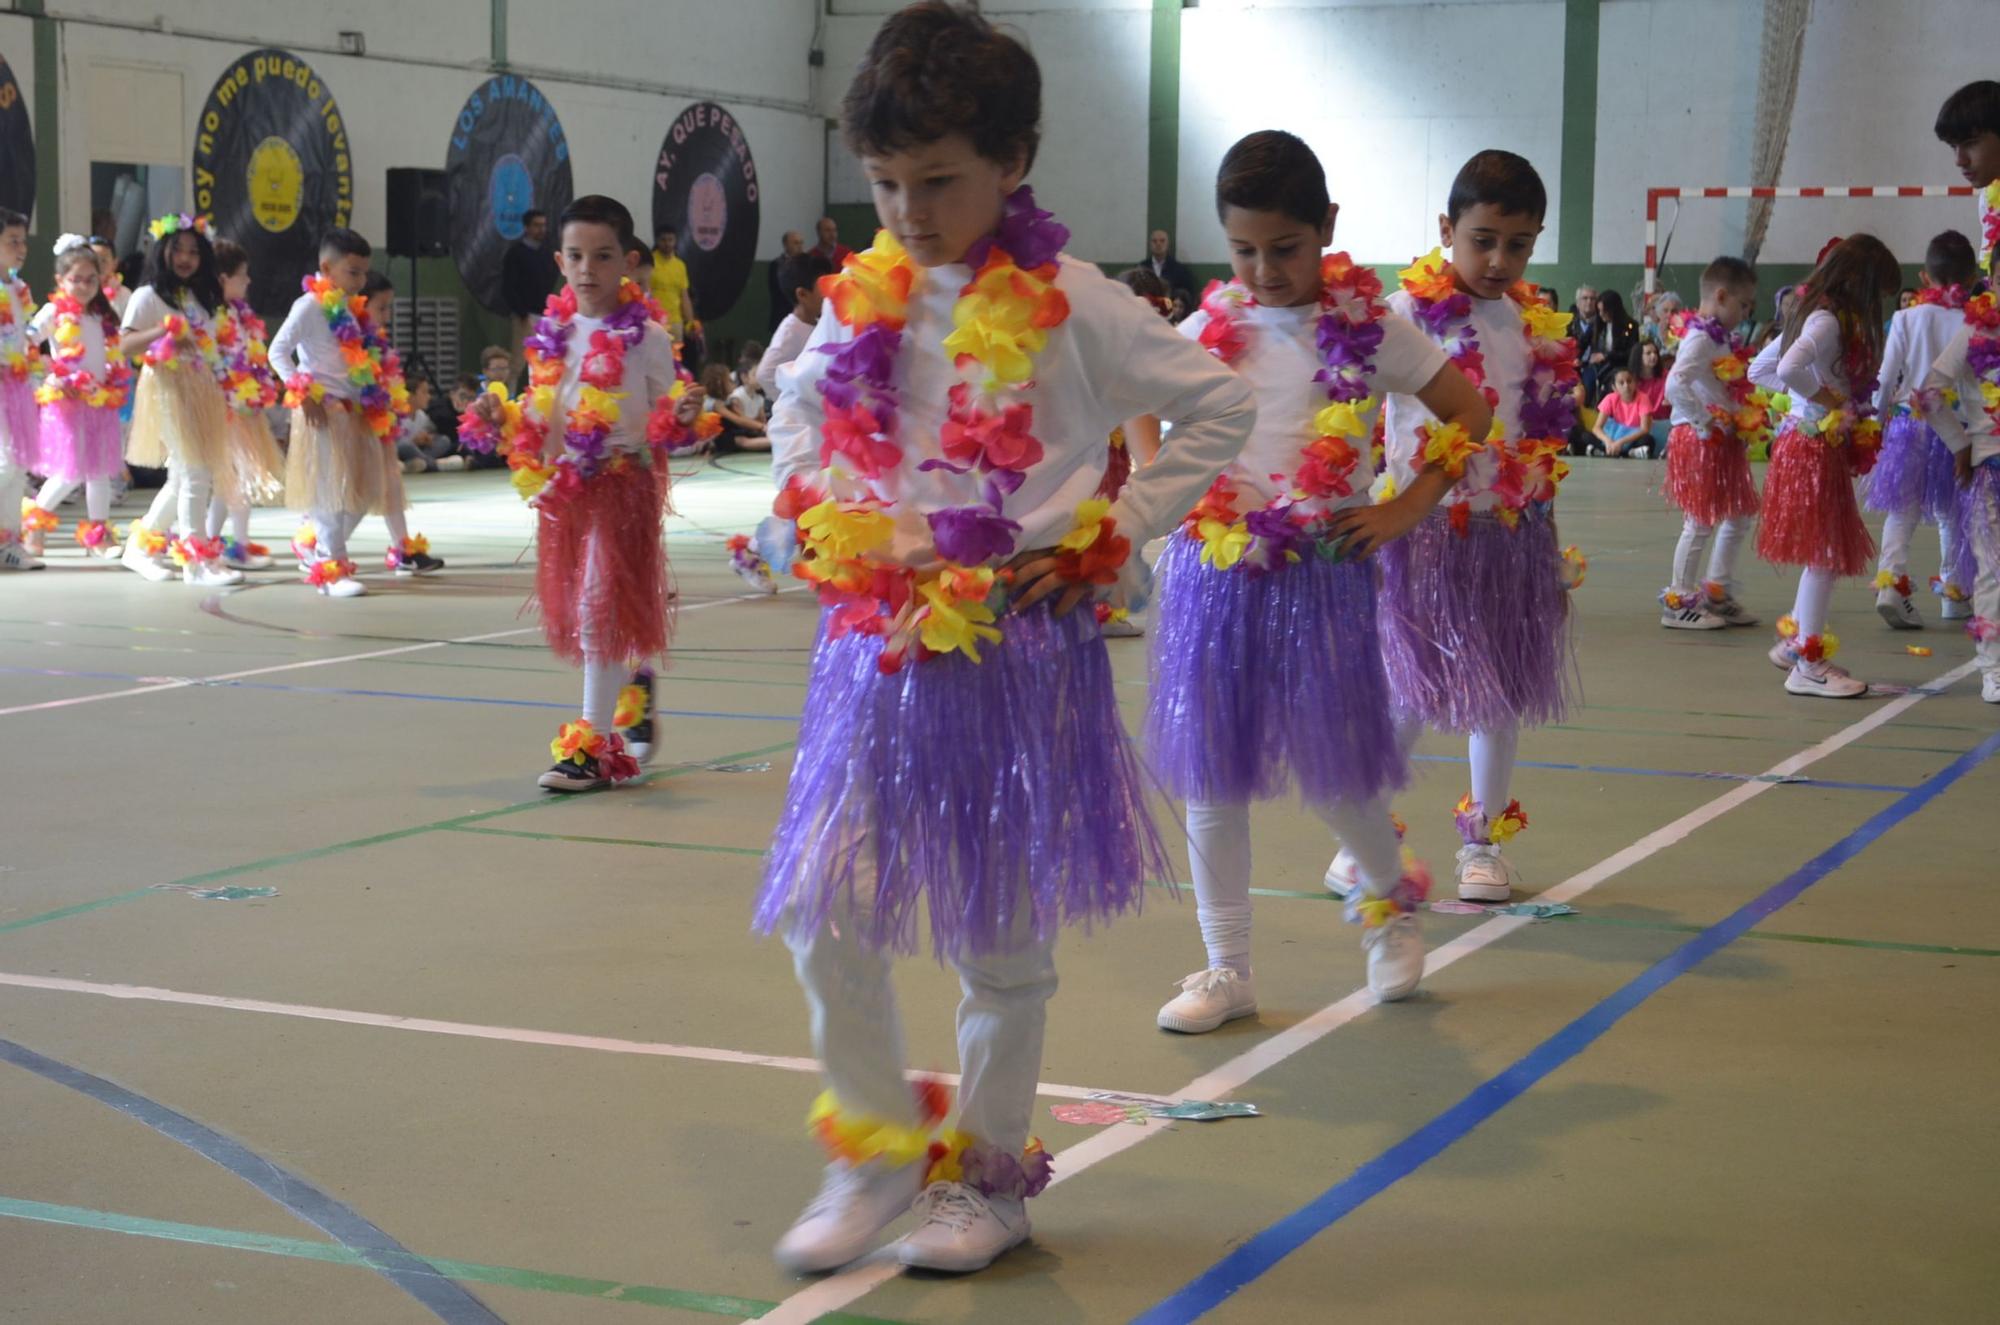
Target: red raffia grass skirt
x,y
1708,475
601,568
1811,517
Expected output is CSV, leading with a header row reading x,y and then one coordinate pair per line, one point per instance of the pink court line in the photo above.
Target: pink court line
x,y
839,1291
471,1031
186,682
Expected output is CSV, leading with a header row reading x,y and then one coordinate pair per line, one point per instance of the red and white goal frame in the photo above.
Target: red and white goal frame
x,y
1653,197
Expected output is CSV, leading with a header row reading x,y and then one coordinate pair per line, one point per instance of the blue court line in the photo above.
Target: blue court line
x,y
345,1225
1263,1251
374,694
1675,773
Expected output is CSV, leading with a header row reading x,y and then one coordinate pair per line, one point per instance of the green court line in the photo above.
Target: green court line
x,y
1674,927
475,1272
377,839
609,841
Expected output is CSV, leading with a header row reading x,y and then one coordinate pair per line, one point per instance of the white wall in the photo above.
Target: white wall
x,y
1677,90
400,114
1393,98
1095,57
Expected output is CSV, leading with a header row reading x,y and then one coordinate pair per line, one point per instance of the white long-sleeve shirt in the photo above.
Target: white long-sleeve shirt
x,y
1805,367
1917,336
1504,348
1113,359
1692,386
649,374
1278,362
148,310
95,361
306,344
786,344
1968,425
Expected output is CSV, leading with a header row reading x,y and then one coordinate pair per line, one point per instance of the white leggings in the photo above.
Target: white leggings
x,y
858,1033
13,483
1815,595
96,496
185,493
1897,530
1729,537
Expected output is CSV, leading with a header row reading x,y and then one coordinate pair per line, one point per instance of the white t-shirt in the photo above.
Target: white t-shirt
x,y
786,343
1504,347
1692,385
649,374
1114,358
1969,425
306,344
1278,363
1804,368
1917,336
750,404
94,360
148,310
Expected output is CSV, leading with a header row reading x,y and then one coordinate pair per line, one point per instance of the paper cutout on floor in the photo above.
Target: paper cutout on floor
x,y
1533,910
1917,650
227,893
1105,1107
764,767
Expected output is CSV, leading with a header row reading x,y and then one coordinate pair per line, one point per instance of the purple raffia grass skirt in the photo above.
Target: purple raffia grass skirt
x,y
1913,472
973,789
22,422
1476,627
1978,525
1265,680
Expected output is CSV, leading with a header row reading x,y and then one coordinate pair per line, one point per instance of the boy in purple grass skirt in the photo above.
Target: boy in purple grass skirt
x,y
961,751
1475,605
1267,668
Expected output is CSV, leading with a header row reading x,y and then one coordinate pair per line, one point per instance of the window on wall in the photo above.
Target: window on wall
x,y
132,193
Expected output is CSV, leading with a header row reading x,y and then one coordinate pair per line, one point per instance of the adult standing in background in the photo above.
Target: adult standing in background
x,y
1160,260
781,298
527,279
670,282
829,245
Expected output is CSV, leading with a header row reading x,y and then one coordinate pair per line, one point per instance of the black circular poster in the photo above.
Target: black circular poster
x,y
508,156
271,166
17,146
705,186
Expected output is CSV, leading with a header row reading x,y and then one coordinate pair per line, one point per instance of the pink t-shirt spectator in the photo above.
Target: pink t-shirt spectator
x,y
1653,392
1636,414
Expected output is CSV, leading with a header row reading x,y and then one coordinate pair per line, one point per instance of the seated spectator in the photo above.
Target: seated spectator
x,y
740,431
1142,282
1624,423
1649,369
496,365
419,445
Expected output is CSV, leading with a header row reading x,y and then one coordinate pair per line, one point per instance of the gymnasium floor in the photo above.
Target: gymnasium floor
x,y
314,1009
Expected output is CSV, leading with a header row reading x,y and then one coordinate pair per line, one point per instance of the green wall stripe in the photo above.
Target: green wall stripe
x,y
1163,118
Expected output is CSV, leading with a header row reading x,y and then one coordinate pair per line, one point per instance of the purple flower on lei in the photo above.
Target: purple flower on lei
x,y
1710,327
861,371
1436,316
1348,350
1027,234
973,535
992,1172
1550,415
1982,354
1276,536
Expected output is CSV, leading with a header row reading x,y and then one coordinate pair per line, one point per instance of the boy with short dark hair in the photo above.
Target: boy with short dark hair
x,y
1969,123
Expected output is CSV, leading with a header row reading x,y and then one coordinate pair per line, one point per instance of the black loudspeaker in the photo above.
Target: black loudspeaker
x,y
419,214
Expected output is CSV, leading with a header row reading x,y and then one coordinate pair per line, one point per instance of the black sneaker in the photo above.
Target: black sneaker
x,y
572,776
417,563
639,736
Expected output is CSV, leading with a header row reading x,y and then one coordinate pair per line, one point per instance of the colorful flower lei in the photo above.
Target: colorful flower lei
x,y
247,382
1749,416
1474,825
1989,224
579,742
68,379
1946,296
1982,349
373,367
17,308
1530,466
1001,321
166,354
1347,334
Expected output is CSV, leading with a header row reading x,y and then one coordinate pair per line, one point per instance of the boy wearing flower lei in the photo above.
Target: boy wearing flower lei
x,y
20,424
1708,458
81,446
407,554
1476,620
1969,124
961,750
1267,668
257,464
587,443
179,419
1968,372
345,393
1826,362
1915,480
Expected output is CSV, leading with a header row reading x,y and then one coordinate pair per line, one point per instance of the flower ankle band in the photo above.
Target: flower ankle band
x,y
1475,827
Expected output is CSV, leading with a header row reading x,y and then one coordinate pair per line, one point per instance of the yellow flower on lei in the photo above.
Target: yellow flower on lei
x,y
845,534
529,480
1089,523
1344,418
1223,545
1429,277
1729,368
874,286
1003,320
1545,323
958,619
1448,448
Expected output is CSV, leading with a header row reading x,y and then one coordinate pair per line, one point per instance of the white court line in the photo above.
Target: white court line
x,y
473,1031
839,1291
186,682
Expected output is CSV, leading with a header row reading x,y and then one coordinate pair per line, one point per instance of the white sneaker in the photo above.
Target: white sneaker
x,y
1784,655
452,462
210,574
1690,618
1395,957
1483,874
1343,874
15,557
1989,689
1955,609
347,586
855,1203
1732,612
1898,610
134,558
1823,679
1122,628
239,556
962,1230
1207,999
